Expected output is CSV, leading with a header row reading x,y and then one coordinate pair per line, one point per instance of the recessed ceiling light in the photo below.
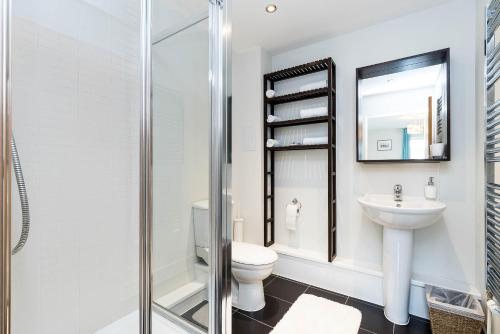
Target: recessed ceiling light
x,y
271,8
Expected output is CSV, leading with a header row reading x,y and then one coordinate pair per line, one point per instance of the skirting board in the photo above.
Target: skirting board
x,y
345,278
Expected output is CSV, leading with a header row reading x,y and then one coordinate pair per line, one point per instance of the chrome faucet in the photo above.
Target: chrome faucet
x,y
398,193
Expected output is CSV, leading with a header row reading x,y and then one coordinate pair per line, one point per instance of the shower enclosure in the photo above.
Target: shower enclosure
x,y
118,109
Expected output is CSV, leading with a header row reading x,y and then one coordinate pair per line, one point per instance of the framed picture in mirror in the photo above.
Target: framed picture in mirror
x,y
384,145
403,109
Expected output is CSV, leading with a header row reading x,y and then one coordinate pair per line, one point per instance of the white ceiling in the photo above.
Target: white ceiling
x,y
298,22
406,80
395,121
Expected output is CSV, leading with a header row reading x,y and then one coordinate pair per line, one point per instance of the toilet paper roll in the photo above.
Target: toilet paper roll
x,y
292,212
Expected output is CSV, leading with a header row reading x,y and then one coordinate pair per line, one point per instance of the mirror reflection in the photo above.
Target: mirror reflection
x,y
403,109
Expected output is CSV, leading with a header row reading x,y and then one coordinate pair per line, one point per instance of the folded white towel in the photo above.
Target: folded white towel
x,y
292,212
315,140
273,118
313,112
272,143
313,85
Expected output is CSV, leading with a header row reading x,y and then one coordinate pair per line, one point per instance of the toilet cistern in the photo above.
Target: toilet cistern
x,y
398,193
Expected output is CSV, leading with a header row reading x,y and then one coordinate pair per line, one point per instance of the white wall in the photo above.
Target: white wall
x,y
396,138
479,144
447,252
247,179
75,93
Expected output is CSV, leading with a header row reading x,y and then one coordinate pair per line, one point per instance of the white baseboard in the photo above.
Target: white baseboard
x,y
346,278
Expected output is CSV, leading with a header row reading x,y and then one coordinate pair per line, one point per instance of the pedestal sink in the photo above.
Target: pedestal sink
x,y
399,219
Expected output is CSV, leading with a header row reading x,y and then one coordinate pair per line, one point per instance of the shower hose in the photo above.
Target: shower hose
x,y
23,196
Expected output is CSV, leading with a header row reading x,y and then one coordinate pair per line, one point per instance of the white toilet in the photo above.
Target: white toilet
x,y
251,264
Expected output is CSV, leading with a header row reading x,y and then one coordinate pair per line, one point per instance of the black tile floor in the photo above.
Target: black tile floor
x,y
280,293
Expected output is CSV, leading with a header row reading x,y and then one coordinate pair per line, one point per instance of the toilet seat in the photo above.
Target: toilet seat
x,y
245,253
251,254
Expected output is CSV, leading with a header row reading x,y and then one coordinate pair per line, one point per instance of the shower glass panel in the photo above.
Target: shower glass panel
x,y
181,155
76,115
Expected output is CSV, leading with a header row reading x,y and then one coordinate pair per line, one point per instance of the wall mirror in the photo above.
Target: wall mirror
x,y
403,109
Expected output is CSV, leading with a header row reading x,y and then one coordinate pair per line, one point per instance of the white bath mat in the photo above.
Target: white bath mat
x,y
311,314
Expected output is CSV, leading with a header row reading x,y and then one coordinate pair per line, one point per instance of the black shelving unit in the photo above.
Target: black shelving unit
x,y
269,152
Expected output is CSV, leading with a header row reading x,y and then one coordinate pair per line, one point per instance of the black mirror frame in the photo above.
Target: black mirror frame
x,y
399,65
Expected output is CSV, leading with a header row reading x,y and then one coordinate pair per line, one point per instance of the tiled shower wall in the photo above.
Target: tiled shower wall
x,y
76,122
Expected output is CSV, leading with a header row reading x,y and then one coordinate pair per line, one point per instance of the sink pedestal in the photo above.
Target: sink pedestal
x,y
397,263
399,219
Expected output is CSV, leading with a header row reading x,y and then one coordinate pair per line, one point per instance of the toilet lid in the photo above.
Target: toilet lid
x,y
253,254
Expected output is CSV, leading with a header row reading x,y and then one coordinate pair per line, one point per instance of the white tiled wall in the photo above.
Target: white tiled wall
x,y
76,121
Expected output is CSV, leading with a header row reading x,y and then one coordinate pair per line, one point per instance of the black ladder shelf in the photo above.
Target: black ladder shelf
x,y
269,103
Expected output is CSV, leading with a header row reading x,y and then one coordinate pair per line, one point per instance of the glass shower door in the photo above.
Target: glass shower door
x,y
189,208
181,132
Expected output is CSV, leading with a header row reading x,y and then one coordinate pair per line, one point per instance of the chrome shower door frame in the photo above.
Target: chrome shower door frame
x,y
220,314
145,170
5,165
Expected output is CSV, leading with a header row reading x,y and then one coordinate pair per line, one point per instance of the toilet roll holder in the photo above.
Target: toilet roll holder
x,y
296,202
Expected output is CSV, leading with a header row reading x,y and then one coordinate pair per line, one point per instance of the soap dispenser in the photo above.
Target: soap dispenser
x,y
430,190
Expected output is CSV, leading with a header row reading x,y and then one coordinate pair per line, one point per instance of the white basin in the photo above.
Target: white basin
x,y
411,213
399,219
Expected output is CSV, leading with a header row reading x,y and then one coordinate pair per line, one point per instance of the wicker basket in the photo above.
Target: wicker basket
x,y
448,323
454,312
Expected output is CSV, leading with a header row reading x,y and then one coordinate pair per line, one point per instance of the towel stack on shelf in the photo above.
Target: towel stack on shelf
x,y
314,85
313,112
315,140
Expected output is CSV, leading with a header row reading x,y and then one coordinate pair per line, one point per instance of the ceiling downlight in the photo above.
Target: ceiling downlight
x,y
271,8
